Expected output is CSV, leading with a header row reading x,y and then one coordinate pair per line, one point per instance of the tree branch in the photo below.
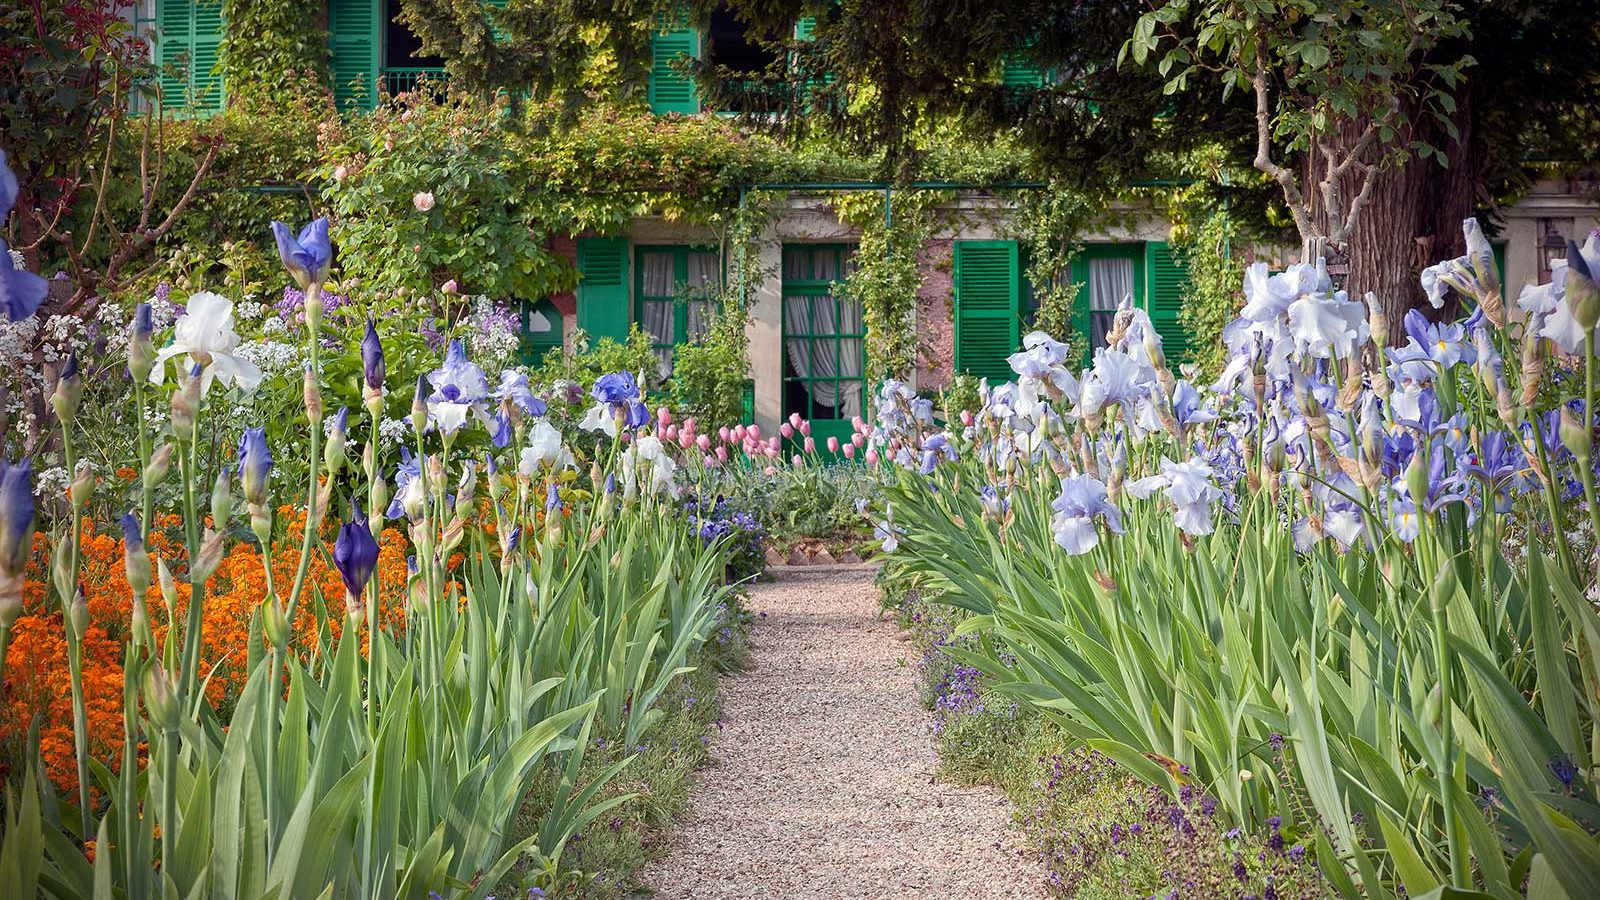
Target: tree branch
x,y
1264,162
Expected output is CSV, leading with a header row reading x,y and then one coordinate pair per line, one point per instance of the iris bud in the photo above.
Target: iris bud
x,y
274,623
160,464
16,517
135,558
169,589
78,614
205,563
221,502
185,406
1417,480
1582,291
82,485
160,699
1574,436
69,390
313,396
419,405
141,351
333,457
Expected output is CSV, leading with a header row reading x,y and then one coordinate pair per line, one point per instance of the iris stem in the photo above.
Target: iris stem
x,y
313,459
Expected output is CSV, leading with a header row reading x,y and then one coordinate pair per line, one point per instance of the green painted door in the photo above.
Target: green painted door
x,y
541,331
824,342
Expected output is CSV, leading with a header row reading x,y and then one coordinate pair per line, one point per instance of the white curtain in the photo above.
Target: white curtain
x,y
705,276
1110,280
659,284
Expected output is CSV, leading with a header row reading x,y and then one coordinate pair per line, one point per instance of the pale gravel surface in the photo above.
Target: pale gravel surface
x,y
822,779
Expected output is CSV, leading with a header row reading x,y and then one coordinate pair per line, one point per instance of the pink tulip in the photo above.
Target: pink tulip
x,y
723,433
770,470
810,446
794,420
671,433
711,462
797,461
805,428
739,432
703,442
686,439
773,452
786,430
833,445
664,416
966,417
849,451
872,456
856,422
755,432
858,439
722,453
774,444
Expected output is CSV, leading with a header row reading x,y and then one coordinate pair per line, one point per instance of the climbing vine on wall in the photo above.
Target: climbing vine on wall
x,y
888,273
1050,224
271,46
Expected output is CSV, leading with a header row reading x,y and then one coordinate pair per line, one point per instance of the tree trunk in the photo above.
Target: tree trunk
x,y
1413,218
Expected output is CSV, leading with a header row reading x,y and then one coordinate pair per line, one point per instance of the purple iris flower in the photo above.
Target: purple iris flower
x,y
355,554
254,465
637,414
1397,452
1501,466
307,256
552,499
132,534
373,368
21,291
500,433
16,515
408,469
459,387
617,387
1446,344
514,388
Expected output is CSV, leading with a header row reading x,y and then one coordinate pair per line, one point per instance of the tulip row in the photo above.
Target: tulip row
x,y
1340,592
378,758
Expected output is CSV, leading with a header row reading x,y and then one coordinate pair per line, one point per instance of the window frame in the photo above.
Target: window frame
x,y
817,287
1134,252
680,279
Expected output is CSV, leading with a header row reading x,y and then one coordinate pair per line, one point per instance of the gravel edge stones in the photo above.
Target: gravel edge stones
x,y
821,781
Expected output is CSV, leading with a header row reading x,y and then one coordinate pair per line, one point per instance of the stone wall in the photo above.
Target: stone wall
x,y
935,319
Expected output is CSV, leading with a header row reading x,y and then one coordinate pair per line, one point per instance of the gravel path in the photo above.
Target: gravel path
x,y
822,779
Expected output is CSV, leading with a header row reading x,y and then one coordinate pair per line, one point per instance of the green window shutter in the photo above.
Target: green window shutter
x,y
354,29
498,33
987,294
1167,282
805,29
1017,71
603,290
671,91
190,44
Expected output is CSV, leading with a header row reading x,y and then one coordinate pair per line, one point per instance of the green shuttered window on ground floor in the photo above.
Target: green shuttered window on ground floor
x,y
988,314
992,310
188,49
603,309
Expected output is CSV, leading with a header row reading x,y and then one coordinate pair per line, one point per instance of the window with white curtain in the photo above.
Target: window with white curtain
x,y
1110,281
824,335
676,287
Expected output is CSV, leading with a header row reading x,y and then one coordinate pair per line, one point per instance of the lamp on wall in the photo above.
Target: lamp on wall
x,y
1552,248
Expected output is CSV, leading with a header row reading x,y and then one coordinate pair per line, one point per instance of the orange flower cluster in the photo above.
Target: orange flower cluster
x,y
37,686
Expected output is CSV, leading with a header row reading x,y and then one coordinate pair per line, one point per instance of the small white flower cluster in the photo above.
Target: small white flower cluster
x,y
493,334
51,482
274,358
393,433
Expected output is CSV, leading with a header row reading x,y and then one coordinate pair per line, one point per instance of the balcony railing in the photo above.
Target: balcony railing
x,y
404,80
